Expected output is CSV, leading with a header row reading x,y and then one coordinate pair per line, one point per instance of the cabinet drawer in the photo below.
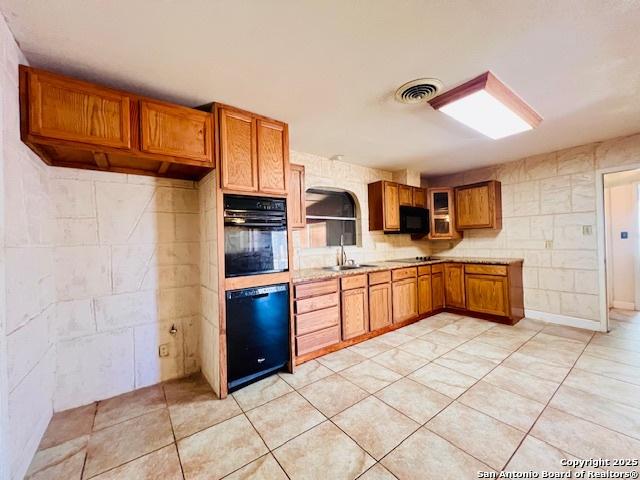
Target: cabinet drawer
x,y
402,273
424,270
356,281
317,340
317,303
486,269
317,320
376,278
437,268
316,288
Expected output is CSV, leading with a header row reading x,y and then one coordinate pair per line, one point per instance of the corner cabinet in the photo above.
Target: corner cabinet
x,y
479,205
297,197
442,214
253,153
72,123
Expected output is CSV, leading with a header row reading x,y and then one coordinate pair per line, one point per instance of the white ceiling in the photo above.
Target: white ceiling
x,y
330,67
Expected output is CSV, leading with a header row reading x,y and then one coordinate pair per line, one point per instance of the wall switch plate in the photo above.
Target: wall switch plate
x,y
587,229
163,350
548,244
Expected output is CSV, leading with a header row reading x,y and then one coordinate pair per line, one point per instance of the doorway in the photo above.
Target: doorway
x,y
621,209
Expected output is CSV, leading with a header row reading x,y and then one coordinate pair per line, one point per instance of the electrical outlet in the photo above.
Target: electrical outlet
x,y
548,244
163,350
587,229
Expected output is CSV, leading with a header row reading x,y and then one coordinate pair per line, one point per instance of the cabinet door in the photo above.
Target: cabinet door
x,y
442,214
419,198
424,294
238,158
454,285
405,299
64,109
487,294
272,157
437,291
473,209
391,206
380,306
355,313
175,131
405,195
296,196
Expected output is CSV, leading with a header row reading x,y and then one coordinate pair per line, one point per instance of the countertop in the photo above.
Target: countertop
x,y
309,274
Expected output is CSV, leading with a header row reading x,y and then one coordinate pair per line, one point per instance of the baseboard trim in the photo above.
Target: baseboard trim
x,y
563,320
623,305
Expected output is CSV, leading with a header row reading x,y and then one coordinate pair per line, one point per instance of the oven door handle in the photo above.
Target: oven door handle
x,y
255,224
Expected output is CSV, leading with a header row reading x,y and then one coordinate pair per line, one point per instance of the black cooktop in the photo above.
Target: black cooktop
x,y
414,259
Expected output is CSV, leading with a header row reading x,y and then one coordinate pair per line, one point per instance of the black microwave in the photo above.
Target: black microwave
x,y
414,220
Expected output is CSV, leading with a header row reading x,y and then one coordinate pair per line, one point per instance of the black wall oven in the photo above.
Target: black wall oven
x,y
414,220
255,235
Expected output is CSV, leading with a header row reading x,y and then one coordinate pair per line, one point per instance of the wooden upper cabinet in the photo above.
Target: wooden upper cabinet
x,y
405,195
405,299
487,294
175,131
238,158
380,313
297,196
61,108
391,206
272,153
454,285
355,313
254,154
479,206
384,206
442,214
419,198
72,123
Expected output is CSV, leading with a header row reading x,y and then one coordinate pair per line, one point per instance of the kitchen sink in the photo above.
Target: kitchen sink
x,y
340,268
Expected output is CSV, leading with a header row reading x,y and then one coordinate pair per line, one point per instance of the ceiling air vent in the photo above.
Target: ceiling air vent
x,y
419,91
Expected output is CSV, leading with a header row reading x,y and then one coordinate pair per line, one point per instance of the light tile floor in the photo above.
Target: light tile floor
x,y
444,398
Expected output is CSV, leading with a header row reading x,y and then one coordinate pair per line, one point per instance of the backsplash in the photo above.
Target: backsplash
x,y
371,246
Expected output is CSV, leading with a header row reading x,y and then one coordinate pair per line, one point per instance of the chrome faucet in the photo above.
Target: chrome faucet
x,y
342,259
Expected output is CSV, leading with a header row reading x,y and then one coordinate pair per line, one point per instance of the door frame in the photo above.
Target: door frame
x,y
601,246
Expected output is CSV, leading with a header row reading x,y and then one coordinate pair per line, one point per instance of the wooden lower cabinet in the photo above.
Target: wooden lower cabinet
x,y
437,290
405,299
454,285
487,294
317,340
355,313
335,313
380,314
424,294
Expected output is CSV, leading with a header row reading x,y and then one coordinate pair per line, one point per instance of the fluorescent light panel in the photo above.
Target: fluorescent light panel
x,y
486,114
488,106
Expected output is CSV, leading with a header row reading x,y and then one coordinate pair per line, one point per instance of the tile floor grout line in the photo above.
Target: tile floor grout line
x,y
173,431
128,461
86,453
456,399
546,406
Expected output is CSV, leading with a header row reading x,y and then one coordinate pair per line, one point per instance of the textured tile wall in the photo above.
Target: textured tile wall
x,y
27,346
372,246
126,264
209,324
548,198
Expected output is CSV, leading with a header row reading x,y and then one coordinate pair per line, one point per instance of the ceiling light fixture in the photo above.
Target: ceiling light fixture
x,y
488,106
